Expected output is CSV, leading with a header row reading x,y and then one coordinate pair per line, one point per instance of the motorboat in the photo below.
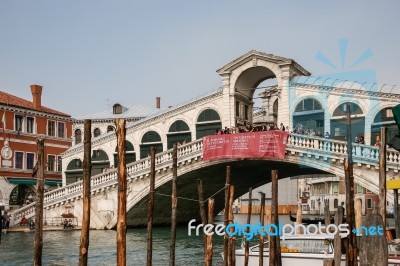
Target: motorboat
x,y
299,250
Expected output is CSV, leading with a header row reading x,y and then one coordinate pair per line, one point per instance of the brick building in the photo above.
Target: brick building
x,y
22,123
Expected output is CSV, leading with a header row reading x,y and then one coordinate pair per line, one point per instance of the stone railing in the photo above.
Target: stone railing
x,y
302,144
138,168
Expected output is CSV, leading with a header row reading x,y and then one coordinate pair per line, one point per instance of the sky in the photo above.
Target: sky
x,y
90,54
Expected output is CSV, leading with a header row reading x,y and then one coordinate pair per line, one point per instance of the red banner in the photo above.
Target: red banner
x,y
261,144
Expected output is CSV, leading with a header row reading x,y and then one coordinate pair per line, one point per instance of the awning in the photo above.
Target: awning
x,y
32,181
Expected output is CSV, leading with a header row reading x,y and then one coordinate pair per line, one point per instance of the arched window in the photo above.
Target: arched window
x,y
308,118
149,139
338,121
117,109
384,118
335,203
96,132
100,161
110,128
207,123
74,171
178,131
78,136
130,155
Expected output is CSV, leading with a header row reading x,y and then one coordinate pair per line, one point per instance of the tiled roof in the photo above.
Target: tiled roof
x,y
137,110
11,100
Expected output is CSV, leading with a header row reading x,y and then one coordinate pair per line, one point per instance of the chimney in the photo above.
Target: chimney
x,y
36,96
158,102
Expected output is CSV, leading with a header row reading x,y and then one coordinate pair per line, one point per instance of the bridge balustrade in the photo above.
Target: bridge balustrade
x,y
301,144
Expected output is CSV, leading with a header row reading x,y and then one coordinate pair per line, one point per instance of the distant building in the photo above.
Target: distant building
x,y
287,198
316,192
103,123
22,123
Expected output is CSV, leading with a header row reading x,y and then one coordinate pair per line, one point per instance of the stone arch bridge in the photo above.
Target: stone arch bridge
x,y
304,155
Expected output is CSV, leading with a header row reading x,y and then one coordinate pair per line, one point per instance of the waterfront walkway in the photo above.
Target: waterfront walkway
x,y
45,228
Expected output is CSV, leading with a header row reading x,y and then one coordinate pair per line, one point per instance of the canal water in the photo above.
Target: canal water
x,y
62,247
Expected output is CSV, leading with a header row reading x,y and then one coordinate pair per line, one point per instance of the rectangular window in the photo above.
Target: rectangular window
x,y
51,128
237,109
369,203
389,113
246,112
19,160
359,189
18,122
335,188
30,160
51,162
61,130
59,164
30,122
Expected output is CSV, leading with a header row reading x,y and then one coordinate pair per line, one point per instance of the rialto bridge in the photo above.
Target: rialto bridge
x,y
297,101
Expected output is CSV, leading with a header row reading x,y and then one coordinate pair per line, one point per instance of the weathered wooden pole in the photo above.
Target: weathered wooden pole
x,y
39,172
246,243
396,212
328,262
351,251
209,253
231,239
261,244
226,211
121,222
337,241
174,204
203,213
299,219
275,220
358,210
87,170
150,209
374,248
382,176
327,213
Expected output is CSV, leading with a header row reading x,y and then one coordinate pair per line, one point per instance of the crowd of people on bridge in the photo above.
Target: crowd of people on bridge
x,y
250,128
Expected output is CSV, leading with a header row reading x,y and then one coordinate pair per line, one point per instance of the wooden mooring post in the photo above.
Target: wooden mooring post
x,y
174,203
246,243
275,250
337,241
203,213
226,211
261,244
299,219
382,176
87,169
209,253
231,239
121,222
39,173
374,248
150,209
351,251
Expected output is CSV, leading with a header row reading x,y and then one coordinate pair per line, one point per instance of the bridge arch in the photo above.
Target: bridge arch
x,y
213,175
